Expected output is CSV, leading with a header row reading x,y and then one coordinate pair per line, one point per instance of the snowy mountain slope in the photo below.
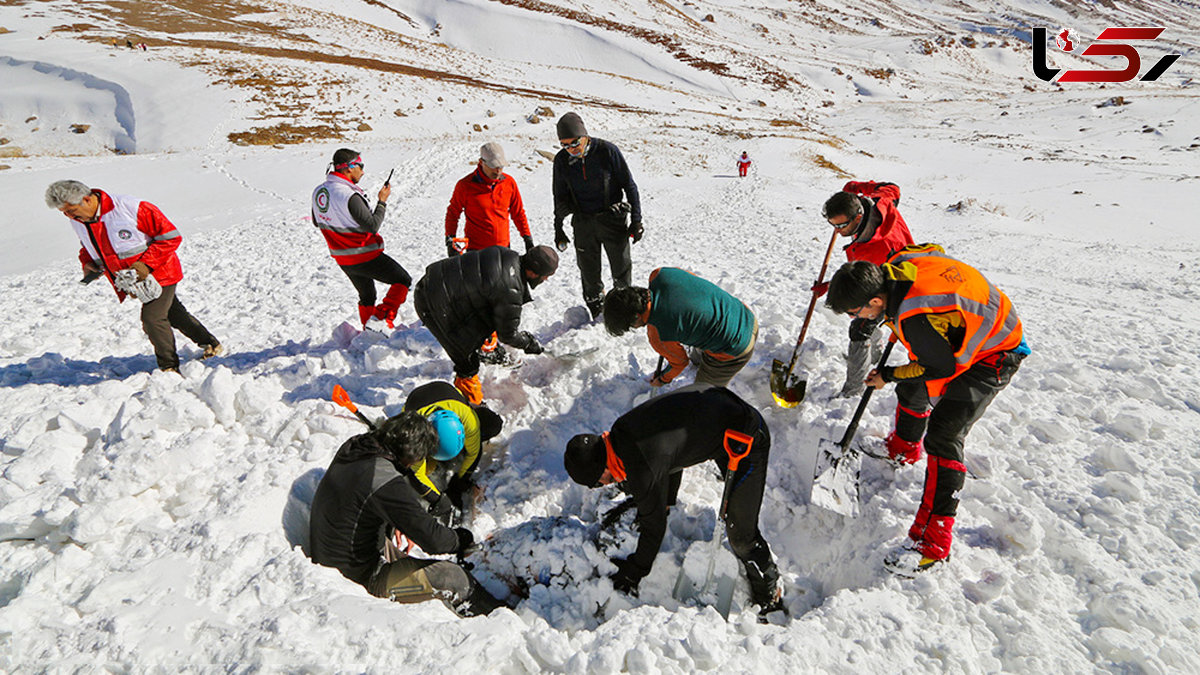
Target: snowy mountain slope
x,y
155,521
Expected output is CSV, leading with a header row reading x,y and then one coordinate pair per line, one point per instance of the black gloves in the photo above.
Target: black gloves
x,y
466,541
626,578
636,231
560,237
442,509
528,243
531,344
459,491
450,250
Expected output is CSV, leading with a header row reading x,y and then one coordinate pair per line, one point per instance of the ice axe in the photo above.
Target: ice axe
x,y
835,476
786,388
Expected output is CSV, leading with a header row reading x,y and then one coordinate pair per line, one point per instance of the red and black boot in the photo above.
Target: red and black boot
x,y
390,306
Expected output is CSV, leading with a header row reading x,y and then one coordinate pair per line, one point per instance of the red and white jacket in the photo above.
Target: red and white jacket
x,y
130,230
349,242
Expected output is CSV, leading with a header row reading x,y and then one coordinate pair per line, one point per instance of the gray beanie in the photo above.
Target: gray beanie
x,y
571,126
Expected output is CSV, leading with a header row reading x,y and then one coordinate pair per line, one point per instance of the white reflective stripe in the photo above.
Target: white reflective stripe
x,y
353,251
988,314
333,228
173,234
930,301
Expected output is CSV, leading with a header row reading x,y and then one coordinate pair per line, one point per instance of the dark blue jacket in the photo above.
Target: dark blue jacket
x,y
594,182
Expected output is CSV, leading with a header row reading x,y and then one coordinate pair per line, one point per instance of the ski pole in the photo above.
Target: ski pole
x,y
341,398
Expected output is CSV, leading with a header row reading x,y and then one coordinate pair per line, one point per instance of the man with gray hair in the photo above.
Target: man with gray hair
x,y
133,244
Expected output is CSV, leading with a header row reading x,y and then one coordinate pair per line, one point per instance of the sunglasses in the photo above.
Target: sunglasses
x,y
573,144
352,165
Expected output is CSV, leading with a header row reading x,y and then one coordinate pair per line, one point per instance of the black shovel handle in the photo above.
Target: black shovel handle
x,y
862,405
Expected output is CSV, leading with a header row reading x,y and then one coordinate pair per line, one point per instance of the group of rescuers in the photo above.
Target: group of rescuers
x,y
412,474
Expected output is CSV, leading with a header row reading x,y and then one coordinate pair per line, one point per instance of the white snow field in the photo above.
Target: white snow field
x,y
152,522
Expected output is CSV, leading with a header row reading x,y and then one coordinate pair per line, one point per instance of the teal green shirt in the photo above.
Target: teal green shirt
x,y
687,309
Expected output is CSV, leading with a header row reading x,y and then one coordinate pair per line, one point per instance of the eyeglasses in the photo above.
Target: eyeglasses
x,y
573,144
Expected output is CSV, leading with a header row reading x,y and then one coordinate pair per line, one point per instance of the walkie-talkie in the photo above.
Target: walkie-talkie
x,y
389,178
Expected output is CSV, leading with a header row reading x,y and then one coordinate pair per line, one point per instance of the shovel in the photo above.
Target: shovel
x,y
341,398
688,589
786,388
835,476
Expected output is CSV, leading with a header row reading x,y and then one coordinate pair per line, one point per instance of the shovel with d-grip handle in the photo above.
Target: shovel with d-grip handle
x,y
786,388
685,589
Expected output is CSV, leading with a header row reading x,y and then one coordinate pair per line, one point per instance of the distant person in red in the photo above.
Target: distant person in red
x,y
119,233
488,197
868,213
351,229
743,165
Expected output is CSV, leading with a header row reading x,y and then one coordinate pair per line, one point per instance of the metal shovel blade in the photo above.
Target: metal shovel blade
x,y
835,479
786,388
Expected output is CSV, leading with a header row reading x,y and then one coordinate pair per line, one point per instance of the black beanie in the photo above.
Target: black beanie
x,y
585,459
541,260
571,126
344,156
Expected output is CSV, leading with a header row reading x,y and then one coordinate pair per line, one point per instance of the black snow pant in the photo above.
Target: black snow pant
x,y
382,269
953,415
160,316
741,519
594,231
411,580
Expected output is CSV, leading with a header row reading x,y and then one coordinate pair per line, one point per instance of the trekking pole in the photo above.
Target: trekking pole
x,y
341,398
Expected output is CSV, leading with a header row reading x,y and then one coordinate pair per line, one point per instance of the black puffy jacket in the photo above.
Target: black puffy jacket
x,y
466,298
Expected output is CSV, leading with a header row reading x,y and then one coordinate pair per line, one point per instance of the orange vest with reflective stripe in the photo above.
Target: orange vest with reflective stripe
x,y
944,284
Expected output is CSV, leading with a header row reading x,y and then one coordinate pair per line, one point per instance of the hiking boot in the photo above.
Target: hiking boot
x,y
212,350
775,604
595,306
498,356
902,451
471,388
908,561
387,310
